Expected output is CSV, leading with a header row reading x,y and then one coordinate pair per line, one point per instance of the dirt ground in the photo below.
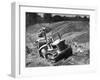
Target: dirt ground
x,y
77,36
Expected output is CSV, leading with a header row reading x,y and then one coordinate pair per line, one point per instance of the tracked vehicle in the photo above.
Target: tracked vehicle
x,y
52,50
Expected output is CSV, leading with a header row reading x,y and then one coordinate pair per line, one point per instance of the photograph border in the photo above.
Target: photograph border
x,y
16,36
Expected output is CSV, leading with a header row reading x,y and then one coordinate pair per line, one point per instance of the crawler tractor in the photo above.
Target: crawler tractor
x,y
52,50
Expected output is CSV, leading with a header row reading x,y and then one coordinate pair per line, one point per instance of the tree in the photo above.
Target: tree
x,y
57,18
31,18
48,17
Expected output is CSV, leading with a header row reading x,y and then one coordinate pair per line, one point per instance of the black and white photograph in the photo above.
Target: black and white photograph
x,y
54,39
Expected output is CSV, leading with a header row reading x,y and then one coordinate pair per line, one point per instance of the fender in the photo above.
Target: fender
x,y
45,47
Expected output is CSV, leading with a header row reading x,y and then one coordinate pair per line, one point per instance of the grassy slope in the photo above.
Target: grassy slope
x,y
65,26
78,31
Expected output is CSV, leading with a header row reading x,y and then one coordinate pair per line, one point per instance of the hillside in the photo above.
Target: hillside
x,y
75,31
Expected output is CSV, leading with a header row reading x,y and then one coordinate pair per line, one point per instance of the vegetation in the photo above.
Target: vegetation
x,y
34,18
